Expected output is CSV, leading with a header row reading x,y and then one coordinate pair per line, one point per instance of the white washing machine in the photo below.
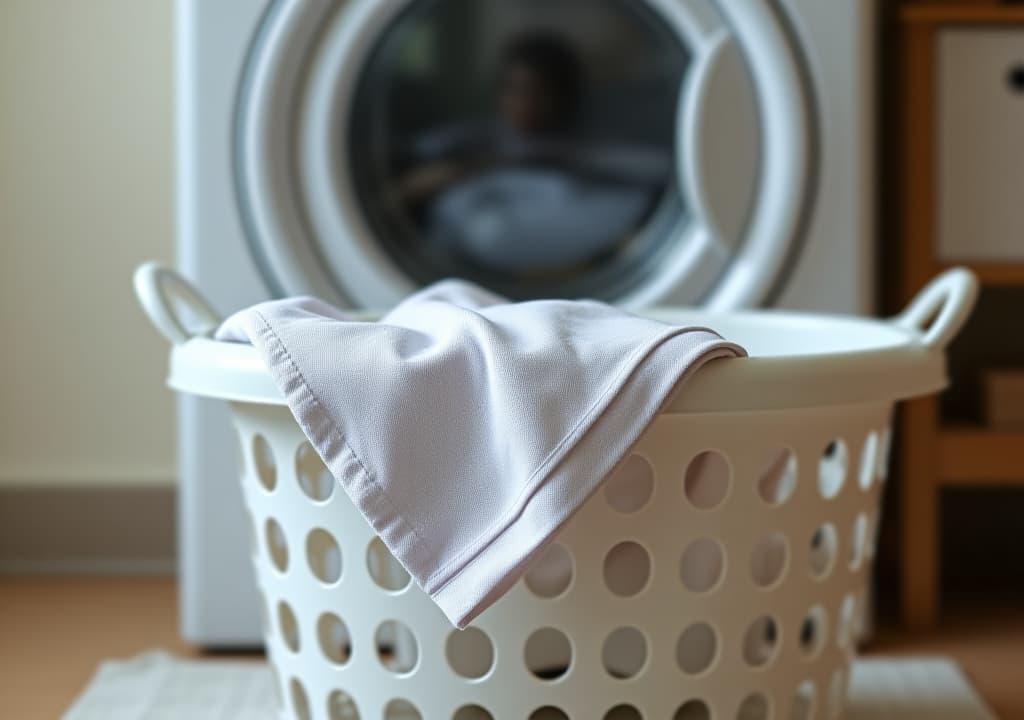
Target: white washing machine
x,y
639,151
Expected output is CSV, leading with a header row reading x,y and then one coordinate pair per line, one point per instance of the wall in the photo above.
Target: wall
x,y
85,194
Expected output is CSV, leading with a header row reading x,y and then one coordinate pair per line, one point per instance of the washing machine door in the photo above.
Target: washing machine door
x,y
637,151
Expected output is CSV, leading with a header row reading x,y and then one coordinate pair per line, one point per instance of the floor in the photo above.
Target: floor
x,y
53,632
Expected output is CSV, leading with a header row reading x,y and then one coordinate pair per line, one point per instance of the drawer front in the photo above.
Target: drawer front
x,y
980,82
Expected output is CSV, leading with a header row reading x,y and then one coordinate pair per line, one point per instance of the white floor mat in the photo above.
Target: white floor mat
x,y
156,686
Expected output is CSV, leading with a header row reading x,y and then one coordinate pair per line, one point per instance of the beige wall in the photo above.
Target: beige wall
x,y
86,179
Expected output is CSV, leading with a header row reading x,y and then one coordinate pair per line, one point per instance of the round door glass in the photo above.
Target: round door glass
x,y
528,145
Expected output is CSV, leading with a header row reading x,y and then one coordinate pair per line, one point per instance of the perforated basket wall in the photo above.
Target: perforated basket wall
x,y
720,575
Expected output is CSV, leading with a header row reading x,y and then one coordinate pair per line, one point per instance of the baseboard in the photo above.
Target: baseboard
x,y
87,531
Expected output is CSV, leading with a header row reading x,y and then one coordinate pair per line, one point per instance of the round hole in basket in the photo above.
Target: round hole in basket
x,y
472,712
548,653
701,565
707,479
627,568
802,706
300,700
693,710
470,653
871,541
755,706
384,569
400,709
314,478
334,638
323,556
884,447
277,545
768,560
288,626
868,460
858,541
623,712
550,574
263,461
778,479
761,641
824,546
836,695
548,712
832,468
341,706
630,487
844,626
861,616
813,632
696,648
397,649
624,653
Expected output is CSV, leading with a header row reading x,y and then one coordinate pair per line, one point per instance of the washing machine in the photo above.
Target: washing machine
x,y
712,152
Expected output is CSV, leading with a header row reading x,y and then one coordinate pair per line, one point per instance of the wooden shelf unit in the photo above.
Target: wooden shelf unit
x,y
963,13
979,456
936,456
994,274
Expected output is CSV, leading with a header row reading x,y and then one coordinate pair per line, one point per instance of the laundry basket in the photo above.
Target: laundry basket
x,y
721,574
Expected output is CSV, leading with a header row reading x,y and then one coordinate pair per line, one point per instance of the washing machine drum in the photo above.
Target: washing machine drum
x,y
637,151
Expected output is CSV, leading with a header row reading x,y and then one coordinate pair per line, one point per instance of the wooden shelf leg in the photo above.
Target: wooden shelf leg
x,y
919,509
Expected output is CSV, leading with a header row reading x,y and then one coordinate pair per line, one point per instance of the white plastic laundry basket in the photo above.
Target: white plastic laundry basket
x,y
720,575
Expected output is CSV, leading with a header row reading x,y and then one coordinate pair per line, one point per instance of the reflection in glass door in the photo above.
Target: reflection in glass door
x,y
530,146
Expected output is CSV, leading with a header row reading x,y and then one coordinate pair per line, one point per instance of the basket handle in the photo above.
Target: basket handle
x,y
157,287
948,299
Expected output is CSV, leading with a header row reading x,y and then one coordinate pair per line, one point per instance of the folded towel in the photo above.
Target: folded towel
x,y
467,429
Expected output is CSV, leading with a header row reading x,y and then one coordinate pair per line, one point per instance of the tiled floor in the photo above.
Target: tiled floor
x,y
53,632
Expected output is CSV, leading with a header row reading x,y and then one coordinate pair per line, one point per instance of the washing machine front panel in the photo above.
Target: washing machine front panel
x,y
263,176
639,151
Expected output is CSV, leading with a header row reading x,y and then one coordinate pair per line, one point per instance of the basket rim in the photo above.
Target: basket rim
x,y
796,360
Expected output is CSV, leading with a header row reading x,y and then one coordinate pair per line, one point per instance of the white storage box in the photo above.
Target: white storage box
x,y
980,78
729,587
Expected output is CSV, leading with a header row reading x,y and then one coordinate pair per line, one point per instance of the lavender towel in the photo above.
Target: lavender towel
x,y
468,429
